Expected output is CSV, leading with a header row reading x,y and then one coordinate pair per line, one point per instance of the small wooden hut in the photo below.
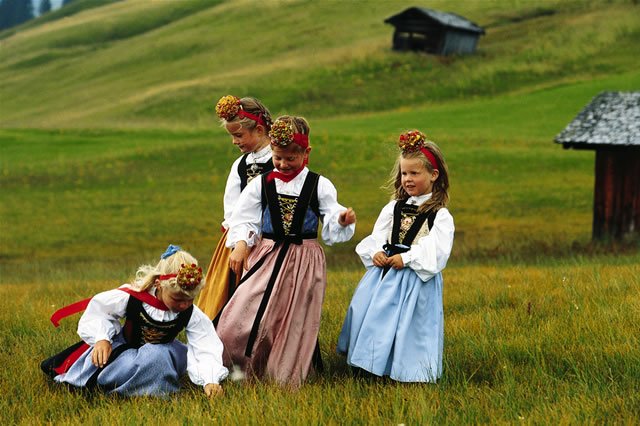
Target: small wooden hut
x,y
432,31
610,125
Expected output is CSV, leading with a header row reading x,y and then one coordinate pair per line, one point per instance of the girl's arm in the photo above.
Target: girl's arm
x,y
368,247
429,255
246,222
231,193
330,210
204,352
101,319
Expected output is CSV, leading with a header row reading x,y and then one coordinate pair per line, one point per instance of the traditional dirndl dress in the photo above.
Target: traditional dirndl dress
x,y
270,326
146,357
394,325
220,280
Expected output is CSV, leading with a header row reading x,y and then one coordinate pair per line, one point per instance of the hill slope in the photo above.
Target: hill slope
x,y
139,63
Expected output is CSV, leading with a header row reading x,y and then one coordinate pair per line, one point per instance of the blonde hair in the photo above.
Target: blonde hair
x,y
440,190
146,275
252,106
299,125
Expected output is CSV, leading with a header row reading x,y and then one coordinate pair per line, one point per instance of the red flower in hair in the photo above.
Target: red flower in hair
x,y
411,141
189,276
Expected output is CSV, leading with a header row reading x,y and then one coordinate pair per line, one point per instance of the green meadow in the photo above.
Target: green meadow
x,y
110,150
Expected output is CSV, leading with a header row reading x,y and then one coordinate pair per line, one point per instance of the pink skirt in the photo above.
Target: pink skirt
x,y
288,331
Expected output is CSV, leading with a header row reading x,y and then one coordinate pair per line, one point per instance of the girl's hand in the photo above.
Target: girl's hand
x,y
212,390
238,257
101,353
396,262
347,217
380,259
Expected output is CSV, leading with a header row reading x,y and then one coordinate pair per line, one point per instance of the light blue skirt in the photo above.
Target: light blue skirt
x,y
395,326
152,369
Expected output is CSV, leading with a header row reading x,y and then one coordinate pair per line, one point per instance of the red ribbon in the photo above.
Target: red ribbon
x,y
257,119
166,277
82,305
285,178
301,139
71,359
69,310
430,157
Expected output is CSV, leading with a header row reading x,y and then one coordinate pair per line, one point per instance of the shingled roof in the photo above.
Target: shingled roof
x,y
447,19
612,119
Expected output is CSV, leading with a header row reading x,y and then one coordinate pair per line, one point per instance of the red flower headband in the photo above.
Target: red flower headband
x,y
414,141
229,107
282,134
188,277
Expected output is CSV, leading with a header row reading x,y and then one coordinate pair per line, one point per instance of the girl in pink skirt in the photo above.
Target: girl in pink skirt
x,y
270,326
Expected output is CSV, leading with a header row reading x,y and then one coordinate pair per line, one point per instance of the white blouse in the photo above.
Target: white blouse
x,y
427,256
100,321
246,221
232,189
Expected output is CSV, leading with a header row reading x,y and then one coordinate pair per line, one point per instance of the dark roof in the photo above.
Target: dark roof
x,y
611,119
445,18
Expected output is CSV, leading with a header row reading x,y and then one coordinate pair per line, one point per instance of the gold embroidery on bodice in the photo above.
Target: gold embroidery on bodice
x,y
287,207
151,332
406,220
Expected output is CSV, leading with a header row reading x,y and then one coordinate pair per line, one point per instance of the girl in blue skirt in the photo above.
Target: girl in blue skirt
x,y
394,324
143,356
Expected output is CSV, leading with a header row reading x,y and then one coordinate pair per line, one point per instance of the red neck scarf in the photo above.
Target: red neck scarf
x,y
285,178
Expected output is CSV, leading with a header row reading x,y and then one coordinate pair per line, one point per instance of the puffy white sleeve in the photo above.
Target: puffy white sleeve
x,y
246,222
372,244
231,193
204,350
101,319
430,254
330,209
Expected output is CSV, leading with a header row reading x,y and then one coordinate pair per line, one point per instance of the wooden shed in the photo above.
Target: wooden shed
x,y
432,31
610,125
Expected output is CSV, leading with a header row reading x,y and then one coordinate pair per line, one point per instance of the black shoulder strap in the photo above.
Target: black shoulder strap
x,y
314,204
270,194
431,218
242,171
414,229
397,218
184,317
308,189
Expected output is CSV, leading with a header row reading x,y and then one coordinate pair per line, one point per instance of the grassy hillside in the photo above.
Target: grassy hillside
x,y
159,64
109,151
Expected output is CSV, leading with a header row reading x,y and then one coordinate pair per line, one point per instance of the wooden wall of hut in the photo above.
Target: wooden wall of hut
x,y
616,209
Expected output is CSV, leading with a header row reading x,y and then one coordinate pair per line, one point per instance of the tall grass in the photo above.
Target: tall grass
x,y
536,344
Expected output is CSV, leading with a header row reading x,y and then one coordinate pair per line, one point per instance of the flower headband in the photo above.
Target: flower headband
x,y
414,141
188,277
229,107
282,134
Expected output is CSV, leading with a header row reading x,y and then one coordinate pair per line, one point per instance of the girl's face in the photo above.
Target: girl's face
x,y
416,179
289,159
247,140
175,301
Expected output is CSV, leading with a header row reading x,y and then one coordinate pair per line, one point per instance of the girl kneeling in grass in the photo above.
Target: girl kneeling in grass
x,y
394,324
143,357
